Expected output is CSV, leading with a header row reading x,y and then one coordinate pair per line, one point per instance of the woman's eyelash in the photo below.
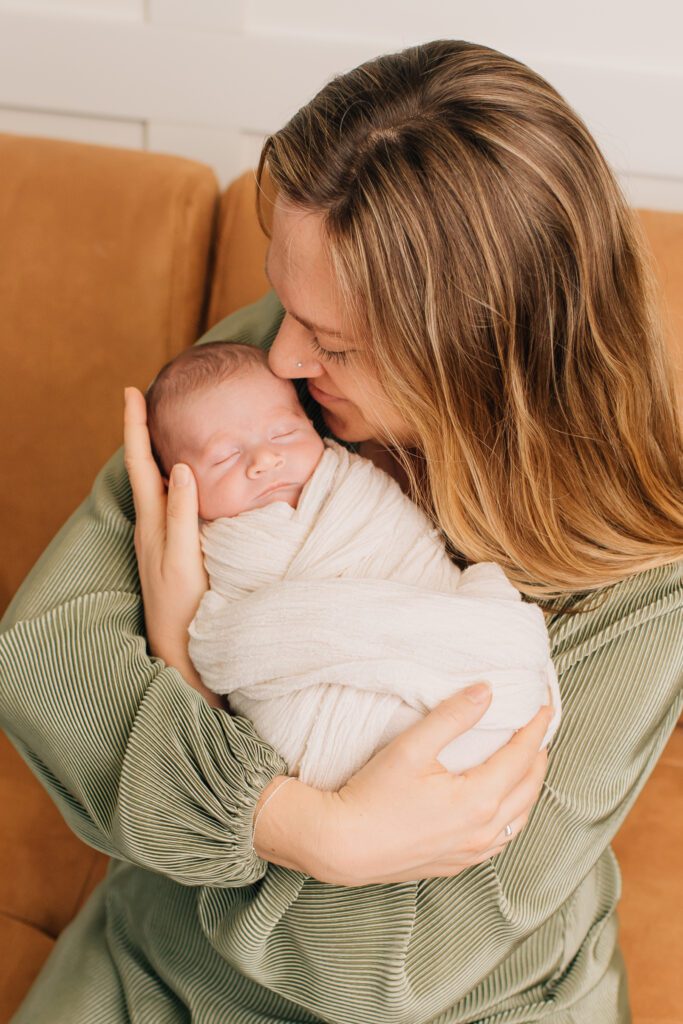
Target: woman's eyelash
x,y
325,353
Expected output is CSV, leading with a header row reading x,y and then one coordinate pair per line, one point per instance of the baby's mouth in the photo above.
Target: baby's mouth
x,y
276,487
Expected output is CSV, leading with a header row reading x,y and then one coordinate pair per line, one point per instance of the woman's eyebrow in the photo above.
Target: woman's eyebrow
x,y
314,328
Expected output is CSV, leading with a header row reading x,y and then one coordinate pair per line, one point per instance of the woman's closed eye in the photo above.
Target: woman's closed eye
x,y
328,353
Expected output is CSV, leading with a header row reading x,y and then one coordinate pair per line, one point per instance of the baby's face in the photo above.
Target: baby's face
x,y
248,443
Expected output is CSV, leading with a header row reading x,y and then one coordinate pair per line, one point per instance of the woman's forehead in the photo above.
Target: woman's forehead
x,y
299,269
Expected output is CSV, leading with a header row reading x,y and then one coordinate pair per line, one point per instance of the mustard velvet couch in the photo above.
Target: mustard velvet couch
x,y
111,262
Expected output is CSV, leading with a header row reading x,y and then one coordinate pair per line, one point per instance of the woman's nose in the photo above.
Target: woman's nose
x,y
290,353
263,460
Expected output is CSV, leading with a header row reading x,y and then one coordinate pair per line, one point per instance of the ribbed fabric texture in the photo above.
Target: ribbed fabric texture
x,y
191,926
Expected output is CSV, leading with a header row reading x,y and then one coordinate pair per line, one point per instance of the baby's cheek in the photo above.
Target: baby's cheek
x,y
218,500
205,501
315,452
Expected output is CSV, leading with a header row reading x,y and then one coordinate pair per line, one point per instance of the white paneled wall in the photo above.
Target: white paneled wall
x,y
209,78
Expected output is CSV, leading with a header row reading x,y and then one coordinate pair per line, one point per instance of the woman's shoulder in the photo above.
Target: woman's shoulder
x,y
256,324
635,606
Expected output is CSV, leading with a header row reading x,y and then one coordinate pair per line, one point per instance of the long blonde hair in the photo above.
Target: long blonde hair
x,y
490,263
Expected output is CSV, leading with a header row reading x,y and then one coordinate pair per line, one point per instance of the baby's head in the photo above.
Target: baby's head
x,y
219,409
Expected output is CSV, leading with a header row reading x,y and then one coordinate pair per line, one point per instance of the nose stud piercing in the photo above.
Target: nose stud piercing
x,y
298,365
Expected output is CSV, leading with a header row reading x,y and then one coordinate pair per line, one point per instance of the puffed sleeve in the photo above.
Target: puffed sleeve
x,y
137,762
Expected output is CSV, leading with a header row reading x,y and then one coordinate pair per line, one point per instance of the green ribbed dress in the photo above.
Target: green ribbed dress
x,y
190,925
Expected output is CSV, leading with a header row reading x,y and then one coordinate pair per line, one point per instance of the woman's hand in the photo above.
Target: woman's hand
x,y
404,817
172,575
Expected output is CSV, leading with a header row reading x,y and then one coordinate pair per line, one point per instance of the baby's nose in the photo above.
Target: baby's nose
x,y
263,460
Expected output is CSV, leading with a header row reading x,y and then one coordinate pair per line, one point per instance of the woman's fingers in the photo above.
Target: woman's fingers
x,y
504,770
502,839
513,813
517,805
145,478
447,720
183,549
170,564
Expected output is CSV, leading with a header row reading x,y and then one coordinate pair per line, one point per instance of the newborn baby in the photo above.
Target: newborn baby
x,y
241,429
335,618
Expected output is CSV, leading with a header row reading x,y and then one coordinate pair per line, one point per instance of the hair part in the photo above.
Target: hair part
x,y
489,262
197,368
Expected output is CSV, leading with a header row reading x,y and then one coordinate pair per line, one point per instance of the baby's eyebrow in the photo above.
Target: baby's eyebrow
x,y
217,440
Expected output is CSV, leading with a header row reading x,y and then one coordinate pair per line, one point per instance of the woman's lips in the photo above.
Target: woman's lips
x,y
322,397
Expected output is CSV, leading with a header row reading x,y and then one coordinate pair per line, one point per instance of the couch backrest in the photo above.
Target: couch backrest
x,y
103,269
664,233
240,252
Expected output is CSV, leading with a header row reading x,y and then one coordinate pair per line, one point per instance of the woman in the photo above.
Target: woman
x,y
464,296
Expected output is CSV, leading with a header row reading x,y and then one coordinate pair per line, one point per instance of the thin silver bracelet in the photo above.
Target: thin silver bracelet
x,y
292,778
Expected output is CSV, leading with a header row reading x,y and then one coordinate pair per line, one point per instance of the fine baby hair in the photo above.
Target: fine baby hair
x,y
199,367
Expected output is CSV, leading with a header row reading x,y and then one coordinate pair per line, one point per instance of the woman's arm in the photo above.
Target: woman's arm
x,y
403,816
139,764
460,820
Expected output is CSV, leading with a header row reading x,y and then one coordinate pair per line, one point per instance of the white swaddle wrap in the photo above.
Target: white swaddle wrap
x,y
336,625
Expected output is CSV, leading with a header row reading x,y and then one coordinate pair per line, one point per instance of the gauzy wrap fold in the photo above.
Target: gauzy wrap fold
x,y
336,625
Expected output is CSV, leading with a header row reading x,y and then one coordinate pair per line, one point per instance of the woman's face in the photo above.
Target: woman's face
x,y
353,403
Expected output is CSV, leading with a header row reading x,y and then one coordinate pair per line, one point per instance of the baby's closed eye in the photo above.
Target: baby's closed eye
x,y
224,459
288,432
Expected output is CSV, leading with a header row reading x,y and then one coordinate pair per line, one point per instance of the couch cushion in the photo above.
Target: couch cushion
x,y
103,268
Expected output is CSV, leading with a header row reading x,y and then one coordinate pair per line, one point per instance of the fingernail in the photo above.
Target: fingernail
x,y
180,476
125,394
477,693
